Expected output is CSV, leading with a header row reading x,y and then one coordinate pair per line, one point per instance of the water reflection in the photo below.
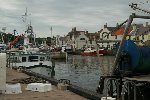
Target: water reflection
x,y
82,71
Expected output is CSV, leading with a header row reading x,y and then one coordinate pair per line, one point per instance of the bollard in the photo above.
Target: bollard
x,y
63,84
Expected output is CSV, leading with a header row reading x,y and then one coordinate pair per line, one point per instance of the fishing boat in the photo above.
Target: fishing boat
x,y
29,58
69,49
93,52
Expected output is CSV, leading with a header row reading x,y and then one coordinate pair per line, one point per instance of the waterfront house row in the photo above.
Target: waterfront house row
x,y
105,38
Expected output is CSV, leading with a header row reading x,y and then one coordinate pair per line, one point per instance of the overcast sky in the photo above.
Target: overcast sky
x,y
62,15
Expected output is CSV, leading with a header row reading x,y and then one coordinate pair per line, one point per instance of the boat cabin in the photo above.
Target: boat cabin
x,y
22,59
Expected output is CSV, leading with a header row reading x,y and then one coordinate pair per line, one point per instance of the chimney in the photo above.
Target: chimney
x,y
86,32
105,26
74,29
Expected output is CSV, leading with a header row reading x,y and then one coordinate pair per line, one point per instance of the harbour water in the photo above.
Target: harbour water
x,y
83,71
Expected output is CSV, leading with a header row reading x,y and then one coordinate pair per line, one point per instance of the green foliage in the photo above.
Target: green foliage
x,y
6,37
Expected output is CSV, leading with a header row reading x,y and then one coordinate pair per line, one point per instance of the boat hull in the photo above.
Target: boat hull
x,y
88,53
101,53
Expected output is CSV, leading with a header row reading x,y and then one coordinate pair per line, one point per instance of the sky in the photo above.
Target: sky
x,y
63,15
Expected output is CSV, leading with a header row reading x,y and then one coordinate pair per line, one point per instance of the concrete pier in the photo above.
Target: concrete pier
x,y
55,94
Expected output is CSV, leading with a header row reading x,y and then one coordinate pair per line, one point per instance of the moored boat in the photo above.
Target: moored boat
x,y
28,59
93,52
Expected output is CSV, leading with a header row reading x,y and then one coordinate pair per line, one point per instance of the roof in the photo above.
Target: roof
x,y
120,31
137,25
93,36
75,33
111,28
62,38
141,31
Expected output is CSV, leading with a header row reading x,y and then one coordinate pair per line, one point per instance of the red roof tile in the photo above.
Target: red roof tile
x,y
121,31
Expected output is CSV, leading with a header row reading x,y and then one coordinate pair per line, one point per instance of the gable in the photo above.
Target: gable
x,y
105,30
82,37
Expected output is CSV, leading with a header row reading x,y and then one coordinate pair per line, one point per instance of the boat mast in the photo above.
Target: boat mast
x,y
29,28
51,30
24,19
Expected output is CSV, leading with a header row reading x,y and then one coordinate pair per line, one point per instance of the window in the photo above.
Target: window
x,y
33,58
24,59
42,58
90,41
108,46
48,58
129,37
137,38
142,37
115,36
14,59
82,38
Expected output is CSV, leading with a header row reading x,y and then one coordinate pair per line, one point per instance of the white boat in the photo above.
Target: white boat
x,y
29,59
34,61
30,56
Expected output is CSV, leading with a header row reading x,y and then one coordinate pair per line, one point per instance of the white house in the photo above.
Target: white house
x,y
81,41
107,40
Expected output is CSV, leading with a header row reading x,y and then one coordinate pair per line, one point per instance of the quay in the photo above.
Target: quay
x,y
54,94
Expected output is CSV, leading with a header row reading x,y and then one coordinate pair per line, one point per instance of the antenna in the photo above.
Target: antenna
x,y
25,15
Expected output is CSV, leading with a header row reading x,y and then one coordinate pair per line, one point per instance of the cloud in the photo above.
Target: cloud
x,y
62,15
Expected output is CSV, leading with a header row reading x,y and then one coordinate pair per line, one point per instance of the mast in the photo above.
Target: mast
x,y
27,26
51,30
24,17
